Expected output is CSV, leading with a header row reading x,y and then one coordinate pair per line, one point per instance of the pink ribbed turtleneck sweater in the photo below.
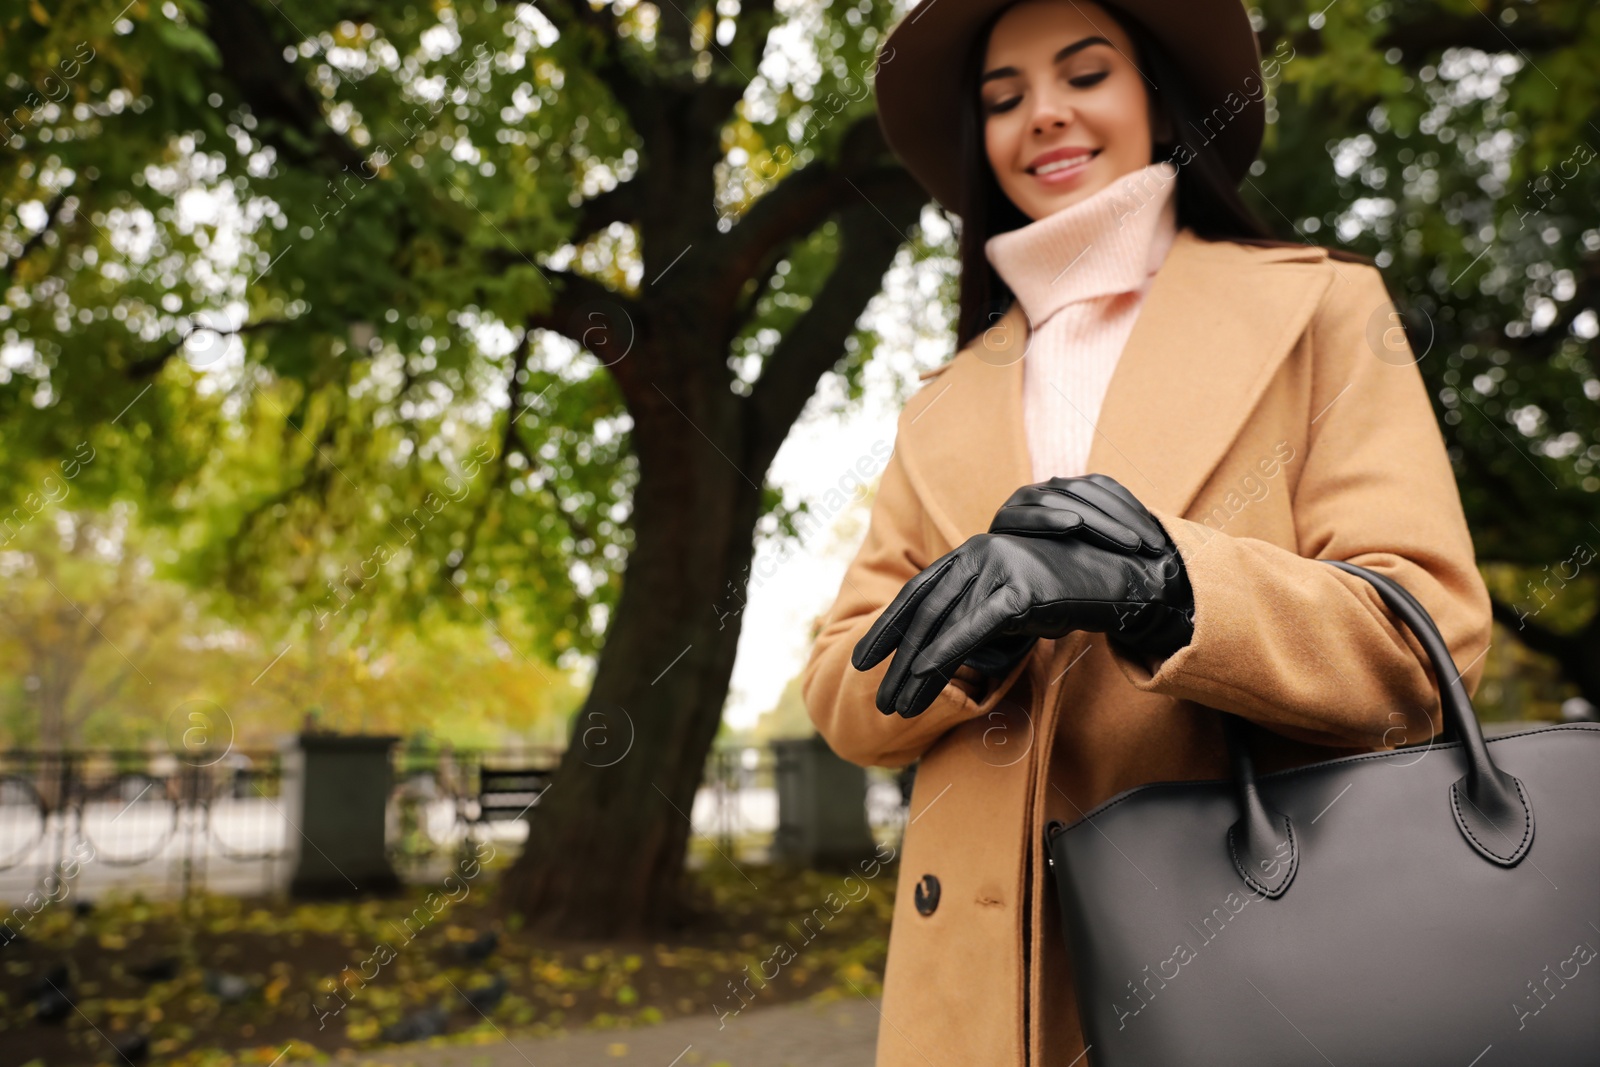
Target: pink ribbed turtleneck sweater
x,y
1080,275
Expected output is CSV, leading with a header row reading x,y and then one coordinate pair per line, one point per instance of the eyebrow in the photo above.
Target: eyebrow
x,y
1076,46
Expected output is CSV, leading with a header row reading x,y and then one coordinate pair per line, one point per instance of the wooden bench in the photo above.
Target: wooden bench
x,y
508,794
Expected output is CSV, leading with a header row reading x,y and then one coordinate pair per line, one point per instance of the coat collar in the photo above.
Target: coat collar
x,y
1218,319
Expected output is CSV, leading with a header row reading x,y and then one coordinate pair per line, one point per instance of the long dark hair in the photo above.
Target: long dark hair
x,y
1207,196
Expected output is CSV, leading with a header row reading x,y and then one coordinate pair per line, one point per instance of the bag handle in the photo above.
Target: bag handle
x,y
1491,807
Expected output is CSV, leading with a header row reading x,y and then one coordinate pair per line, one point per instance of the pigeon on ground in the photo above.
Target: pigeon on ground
x,y
52,1006
59,976
164,969
479,948
485,998
132,1048
228,988
51,1002
429,1022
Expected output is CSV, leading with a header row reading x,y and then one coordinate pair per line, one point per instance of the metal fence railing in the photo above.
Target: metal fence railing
x,y
134,819
131,817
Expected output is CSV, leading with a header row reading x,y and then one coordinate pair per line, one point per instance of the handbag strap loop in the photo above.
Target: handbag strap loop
x,y
1490,807
1261,843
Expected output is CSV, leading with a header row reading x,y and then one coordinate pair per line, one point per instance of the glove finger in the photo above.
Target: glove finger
x,y
887,630
1135,505
1035,519
920,694
1062,507
1049,493
920,627
997,656
1109,499
1062,484
1058,513
1105,481
1026,492
974,623
1081,507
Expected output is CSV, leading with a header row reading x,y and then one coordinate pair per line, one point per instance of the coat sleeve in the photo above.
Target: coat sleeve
x,y
841,699
1308,650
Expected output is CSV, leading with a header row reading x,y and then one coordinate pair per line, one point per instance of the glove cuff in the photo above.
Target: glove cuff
x,y
1166,623
1167,630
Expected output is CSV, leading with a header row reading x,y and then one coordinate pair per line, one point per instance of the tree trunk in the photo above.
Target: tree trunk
x,y
606,842
58,670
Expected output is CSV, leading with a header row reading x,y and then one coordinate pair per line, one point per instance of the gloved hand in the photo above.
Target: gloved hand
x,y
1095,507
995,657
1067,554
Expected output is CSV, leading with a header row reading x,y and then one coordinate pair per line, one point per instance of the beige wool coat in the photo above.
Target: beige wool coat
x,y
1268,411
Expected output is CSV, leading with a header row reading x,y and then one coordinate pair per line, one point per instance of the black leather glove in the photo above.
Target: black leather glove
x,y
1069,554
995,657
1101,510
1095,507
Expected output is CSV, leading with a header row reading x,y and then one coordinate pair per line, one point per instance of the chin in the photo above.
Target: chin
x,y
1040,206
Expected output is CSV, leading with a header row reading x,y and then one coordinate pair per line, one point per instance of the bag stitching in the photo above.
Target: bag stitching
x,y
1527,822
1294,862
1290,772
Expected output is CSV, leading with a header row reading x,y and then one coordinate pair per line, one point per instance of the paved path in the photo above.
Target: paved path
x,y
841,1034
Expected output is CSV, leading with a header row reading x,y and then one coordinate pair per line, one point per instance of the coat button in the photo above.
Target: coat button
x,y
927,894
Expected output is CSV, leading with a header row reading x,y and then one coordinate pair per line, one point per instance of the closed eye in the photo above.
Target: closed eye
x,y
1083,81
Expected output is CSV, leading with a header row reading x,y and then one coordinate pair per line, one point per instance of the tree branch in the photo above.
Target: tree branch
x,y
52,211
604,322
755,23
151,365
871,232
619,204
595,33
802,201
509,441
249,42
1425,38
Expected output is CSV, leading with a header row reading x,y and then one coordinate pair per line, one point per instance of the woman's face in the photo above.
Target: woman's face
x,y
1065,111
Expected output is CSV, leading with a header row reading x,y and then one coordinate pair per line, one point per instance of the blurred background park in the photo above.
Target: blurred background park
x,y
411,409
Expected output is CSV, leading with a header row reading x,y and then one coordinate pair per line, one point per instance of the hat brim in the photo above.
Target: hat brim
x,y
918,87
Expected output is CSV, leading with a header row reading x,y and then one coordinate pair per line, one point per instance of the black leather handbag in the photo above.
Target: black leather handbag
x,y
1393,908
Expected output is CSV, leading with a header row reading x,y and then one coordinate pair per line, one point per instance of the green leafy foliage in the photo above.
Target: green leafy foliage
x,y
276,263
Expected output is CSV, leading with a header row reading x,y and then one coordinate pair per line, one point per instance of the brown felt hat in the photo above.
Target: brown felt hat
x,y
919,65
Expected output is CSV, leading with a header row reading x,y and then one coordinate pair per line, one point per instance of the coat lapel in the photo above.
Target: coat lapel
x,y
1218,320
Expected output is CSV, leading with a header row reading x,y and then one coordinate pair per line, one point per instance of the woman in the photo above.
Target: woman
x,y
1100,528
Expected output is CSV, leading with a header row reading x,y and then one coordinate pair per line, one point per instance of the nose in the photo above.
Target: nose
x,y
1053,109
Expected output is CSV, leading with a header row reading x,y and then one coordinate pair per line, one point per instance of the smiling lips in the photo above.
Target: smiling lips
x,y
1062,164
